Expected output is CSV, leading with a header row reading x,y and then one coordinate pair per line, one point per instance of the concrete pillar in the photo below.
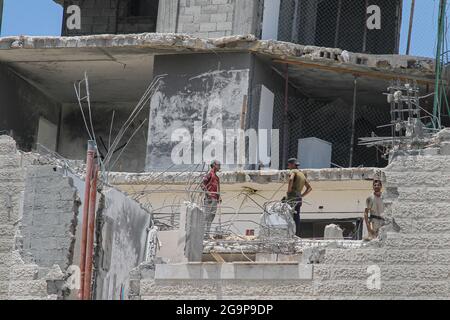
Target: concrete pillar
x,y
245,17
190,237
167,16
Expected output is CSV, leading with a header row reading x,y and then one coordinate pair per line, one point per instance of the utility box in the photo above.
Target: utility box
x,y
314,153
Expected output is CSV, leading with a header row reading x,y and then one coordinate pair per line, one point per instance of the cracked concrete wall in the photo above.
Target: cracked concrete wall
x,y
412,264
19,279
37,225
121,238
49,217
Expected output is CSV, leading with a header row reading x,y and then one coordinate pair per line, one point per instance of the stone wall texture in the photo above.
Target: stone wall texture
x,y
37,207
412,264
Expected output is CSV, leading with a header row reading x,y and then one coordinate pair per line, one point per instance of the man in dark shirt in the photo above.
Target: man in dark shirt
x,y
211,186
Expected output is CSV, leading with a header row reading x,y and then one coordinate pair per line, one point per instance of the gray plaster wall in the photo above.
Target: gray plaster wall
x,y
20,277
73,135
121,238
49,218
21,106
209,88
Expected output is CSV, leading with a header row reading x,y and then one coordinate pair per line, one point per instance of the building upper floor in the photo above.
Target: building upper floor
x,y
368,26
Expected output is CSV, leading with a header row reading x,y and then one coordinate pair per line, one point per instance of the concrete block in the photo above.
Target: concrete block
x,y
225,8
182,19
333,231
178,271
24,272
192,10
219,1
249,271
209,9
28,288
216,34
223,26
219,17
208,26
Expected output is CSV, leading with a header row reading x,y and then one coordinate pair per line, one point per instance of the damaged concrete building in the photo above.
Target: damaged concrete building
x,y
270,65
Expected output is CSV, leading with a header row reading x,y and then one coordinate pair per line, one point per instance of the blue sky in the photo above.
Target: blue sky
x,y
44,17
31,17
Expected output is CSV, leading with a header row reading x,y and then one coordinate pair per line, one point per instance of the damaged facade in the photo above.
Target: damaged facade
x,y
225,64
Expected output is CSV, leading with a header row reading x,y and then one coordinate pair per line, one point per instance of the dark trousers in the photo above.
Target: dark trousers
x,y
297,203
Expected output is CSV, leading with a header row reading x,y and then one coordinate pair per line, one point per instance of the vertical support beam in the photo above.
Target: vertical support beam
x,y
84,229
90,235
167,16
364,47
338,23
286,122
352,139
411,20
1,15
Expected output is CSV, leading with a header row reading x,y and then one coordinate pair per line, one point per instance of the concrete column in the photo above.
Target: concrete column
x,y
245,17
167,16
190,237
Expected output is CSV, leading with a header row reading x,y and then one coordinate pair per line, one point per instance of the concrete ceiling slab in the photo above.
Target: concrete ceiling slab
x,y
55,71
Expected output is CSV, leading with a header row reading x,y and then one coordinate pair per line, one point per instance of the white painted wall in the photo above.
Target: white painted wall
x,y
47,134
265,122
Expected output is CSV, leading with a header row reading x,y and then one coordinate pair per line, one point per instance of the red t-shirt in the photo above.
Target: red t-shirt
x,y
211,184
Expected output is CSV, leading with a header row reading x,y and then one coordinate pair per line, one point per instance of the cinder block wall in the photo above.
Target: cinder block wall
x,y
36,225
206,18
202,18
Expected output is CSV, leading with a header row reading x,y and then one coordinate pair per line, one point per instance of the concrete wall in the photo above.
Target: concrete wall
x,y
209,88
21,107
49,217
121,239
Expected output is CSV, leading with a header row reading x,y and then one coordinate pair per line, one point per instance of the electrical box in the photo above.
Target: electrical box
x,y
314,153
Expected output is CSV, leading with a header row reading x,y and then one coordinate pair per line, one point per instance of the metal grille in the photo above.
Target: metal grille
x,y
343,24
330,121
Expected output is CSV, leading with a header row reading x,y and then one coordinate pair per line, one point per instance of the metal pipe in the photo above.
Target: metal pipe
x,y
352,139
364,45
1,15
87,184
90,235
286,122
411,19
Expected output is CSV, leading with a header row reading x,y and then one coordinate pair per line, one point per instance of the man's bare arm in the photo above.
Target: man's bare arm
x,y
308,189
291,182
366,219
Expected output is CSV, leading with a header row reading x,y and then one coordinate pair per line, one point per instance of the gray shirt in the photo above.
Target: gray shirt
x,y
375,205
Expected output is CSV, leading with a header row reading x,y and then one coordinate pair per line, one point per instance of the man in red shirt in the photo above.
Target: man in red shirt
x,y
211,186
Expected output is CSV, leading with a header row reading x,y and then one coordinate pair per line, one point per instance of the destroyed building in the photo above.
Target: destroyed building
x,y
261,66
